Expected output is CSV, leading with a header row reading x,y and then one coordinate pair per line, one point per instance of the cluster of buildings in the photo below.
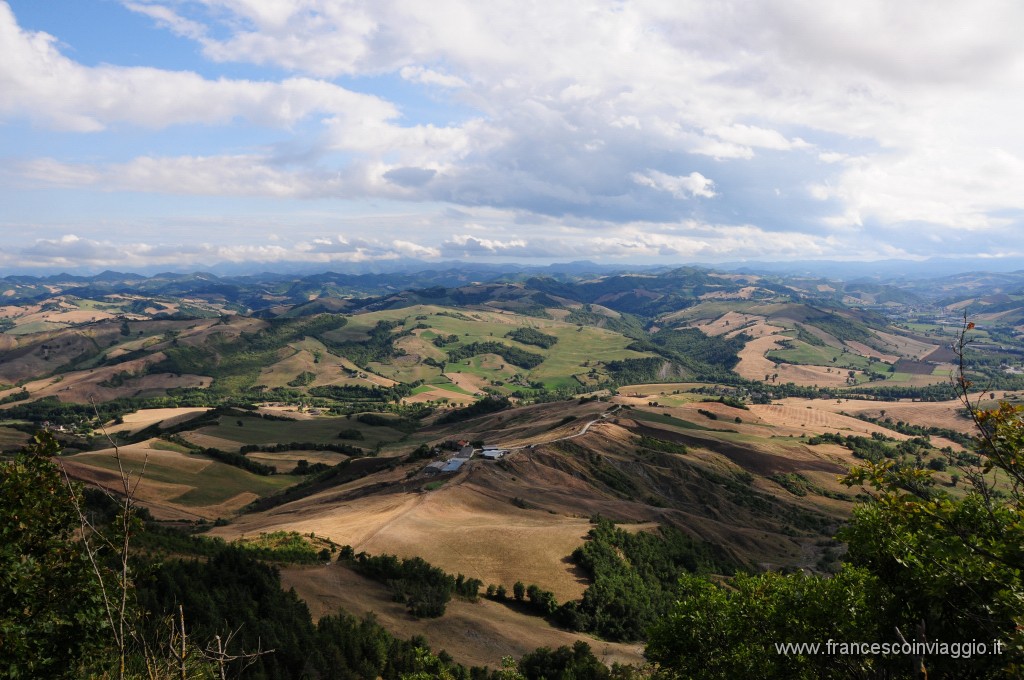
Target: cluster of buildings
x,y
463,456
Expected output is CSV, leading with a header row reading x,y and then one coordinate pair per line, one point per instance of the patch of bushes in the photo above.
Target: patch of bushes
x,y
661,445
302,379
532,336
478,408
238,460
512,355
423,588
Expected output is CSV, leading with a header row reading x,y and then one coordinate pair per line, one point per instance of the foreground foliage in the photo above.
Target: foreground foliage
x,y
51,619
924,566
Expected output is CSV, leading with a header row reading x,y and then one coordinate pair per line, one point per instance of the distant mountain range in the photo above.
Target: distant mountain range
x,y
879,270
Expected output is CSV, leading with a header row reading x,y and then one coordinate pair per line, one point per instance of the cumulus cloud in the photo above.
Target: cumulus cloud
x,y
41,82
818,119
694,184
426,76
467,245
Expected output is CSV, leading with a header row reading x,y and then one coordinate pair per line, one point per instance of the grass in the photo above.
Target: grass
x,y
713,310
225,482
676,399
161,445
451,387
407,374
664,419
215,483
97,305
809,355
929,328
286,543
287,460
36,327
574,347
12,439
317,431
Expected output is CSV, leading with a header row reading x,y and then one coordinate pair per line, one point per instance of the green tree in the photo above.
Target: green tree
x,y
723,632
52,622
518,591
577,662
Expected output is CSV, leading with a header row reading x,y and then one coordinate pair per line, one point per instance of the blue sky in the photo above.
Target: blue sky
x,y
183,133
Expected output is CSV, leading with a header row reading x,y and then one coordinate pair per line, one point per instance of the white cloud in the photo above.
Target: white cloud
x,y
42,83
738,141
426,76
415,250
464,244
847,116
686,186
203,176
70,250
168,18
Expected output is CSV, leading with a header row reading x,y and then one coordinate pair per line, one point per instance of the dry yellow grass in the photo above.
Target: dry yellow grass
x,y
646,390
285,370
414,344
926,413
84,386
733,321
285,461
367,378
436,394
210,441
754,365
744,293
460,528
71,316
815,416
150,416
468,381
13,311
283,411
474,633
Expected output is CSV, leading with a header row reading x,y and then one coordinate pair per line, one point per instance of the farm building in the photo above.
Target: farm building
x,y
434,468
494,454
466,452
453,465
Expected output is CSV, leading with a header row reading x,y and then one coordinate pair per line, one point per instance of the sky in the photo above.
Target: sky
x,y
178,133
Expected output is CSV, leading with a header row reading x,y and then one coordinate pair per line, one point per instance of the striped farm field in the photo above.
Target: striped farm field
x,y
173,484
944,414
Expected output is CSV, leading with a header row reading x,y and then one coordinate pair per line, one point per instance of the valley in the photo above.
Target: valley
x,y
725,407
